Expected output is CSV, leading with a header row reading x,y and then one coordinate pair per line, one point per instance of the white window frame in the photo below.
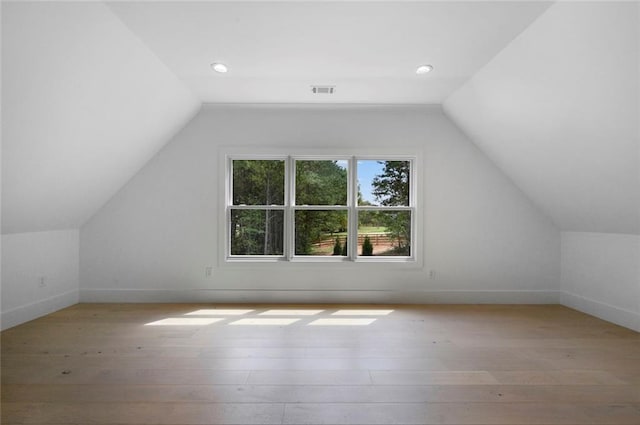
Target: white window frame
x,y
352,209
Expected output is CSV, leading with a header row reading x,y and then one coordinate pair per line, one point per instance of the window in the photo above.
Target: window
x,y
320,208
257,212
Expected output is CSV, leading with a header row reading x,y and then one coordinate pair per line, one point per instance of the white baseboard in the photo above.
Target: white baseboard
x,y
619,316
317,296
31,311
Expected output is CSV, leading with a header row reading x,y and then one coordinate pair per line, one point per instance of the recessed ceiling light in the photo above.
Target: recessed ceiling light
x,y
219,67
423,69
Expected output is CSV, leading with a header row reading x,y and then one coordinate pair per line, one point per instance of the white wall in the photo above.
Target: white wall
x,y
27,258
484,239
601,276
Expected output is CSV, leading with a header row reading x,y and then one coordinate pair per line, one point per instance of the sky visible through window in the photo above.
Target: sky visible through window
x,y
367,170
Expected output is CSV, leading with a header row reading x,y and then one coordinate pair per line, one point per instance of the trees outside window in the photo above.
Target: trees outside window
x,y
257,215
287,208
385,212
320,205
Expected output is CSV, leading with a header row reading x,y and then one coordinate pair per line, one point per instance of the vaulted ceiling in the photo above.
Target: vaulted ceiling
x,y
84,105
557,110
92,90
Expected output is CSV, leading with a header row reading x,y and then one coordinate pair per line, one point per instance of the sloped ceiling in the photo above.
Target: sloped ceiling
x,y
557,110
91,91
85,104
368,50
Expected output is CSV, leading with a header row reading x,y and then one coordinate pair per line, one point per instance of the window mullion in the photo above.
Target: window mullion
x,y
228,202
352,233
290,191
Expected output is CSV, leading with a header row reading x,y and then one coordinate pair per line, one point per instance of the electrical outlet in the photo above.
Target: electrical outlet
x,y
432,274
42,282
208,271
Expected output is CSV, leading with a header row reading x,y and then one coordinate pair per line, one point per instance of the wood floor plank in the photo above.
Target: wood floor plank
x,y
433,378
153,413
322,393
559,377
460,413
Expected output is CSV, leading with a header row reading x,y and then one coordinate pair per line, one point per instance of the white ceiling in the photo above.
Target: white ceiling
x,y
276,50
558,111
85,104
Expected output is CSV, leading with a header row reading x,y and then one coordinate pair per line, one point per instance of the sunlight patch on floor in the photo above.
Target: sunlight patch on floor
x,y
277,317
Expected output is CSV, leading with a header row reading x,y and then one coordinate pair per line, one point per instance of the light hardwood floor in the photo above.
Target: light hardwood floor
x,y
319,364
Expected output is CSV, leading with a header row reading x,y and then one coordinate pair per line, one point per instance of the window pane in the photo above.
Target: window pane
x,y
383,183
388,233
321,182
320,232
257,232
258,182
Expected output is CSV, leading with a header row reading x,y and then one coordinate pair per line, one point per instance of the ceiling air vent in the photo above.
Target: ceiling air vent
x,y
323,89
